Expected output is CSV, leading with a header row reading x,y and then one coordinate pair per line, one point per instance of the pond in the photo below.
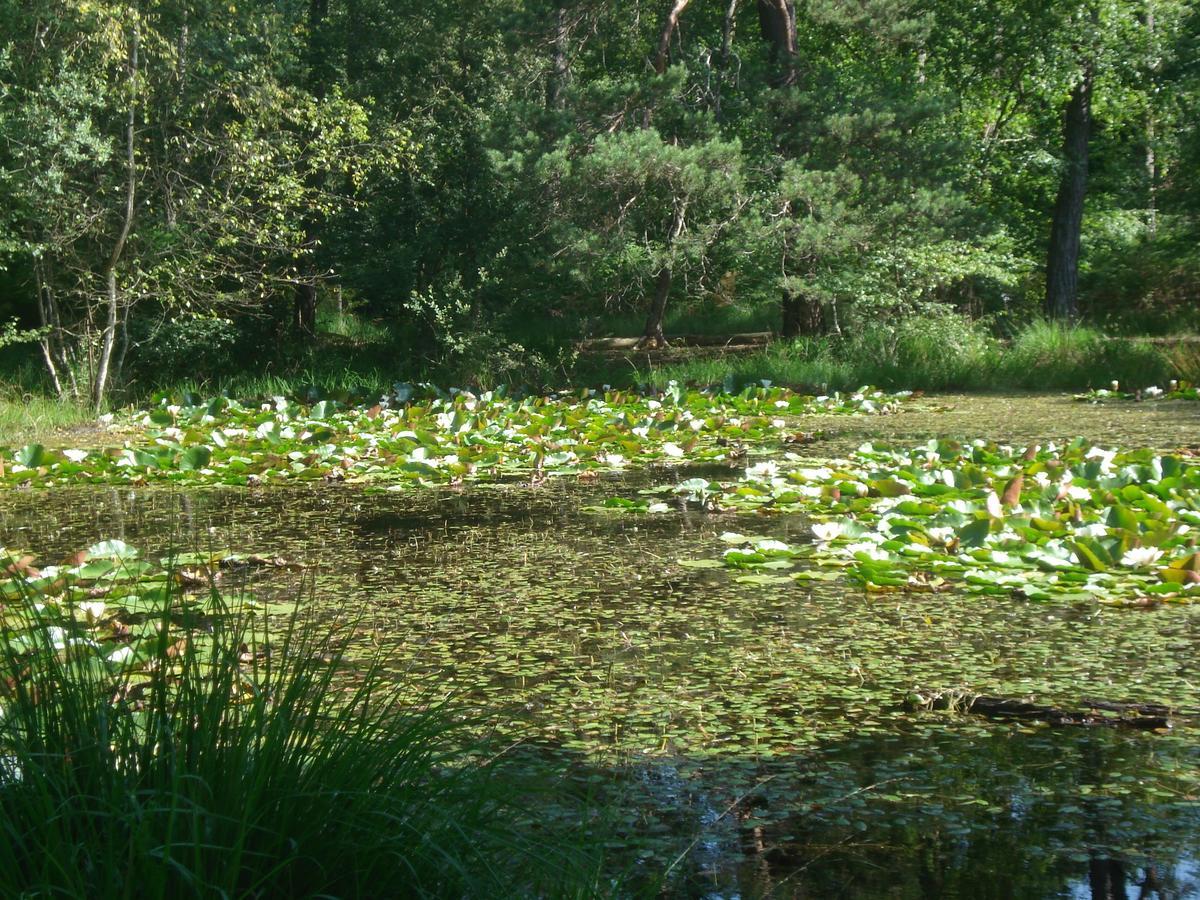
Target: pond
x,y
755,739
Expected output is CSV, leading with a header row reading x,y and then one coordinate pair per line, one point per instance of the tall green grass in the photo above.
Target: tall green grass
x,y
247,764
26,417
942,354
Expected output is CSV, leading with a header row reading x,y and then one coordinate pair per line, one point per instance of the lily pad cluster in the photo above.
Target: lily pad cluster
x,y
121,612
1073,522
1174,391
413,437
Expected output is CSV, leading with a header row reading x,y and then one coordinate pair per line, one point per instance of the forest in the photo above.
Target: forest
x,y
187,184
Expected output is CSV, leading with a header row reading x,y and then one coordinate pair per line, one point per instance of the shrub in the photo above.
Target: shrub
x,y
228,764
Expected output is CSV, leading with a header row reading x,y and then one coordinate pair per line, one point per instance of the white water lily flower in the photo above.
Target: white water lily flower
x,y
994,509
60,641
781,404
94,609
1096,529
1041,479
106,419
1137,557
1153,391
827,531
75,456
653,404
119,656
818,474
940,535
765,382
673,450
772,545
1075,492
641,431
1105,457
768,469
872,550
778,423
616,460
889,503
658,507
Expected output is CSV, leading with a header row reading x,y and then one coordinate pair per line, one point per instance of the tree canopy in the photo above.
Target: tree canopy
x,y
461,174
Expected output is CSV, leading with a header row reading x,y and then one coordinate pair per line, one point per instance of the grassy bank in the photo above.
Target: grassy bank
x,y
946,356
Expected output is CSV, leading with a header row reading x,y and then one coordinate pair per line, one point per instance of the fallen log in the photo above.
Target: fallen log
x,y
748,339
1090,713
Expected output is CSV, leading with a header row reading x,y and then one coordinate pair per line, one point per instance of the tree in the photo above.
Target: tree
x,y
157,163
643,213
1062,261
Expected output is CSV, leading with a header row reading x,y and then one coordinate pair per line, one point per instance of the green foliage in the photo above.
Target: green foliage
x,y
1076,522
11,334
169,744
489,188
420,435
945,351
636,203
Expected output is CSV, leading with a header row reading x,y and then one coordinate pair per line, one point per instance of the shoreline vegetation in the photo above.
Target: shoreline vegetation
x,y
166,735
946,355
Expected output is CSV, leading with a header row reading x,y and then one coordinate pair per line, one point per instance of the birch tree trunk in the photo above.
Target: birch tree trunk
x,y
112,299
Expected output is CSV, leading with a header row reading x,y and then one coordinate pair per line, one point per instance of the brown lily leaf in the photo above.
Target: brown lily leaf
x,y
1012,491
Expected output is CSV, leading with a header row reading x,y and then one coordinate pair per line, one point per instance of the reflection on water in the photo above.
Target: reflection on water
x,y
762,730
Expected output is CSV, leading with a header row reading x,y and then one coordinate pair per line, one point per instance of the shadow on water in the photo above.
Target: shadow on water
x,y
1001,814
756,734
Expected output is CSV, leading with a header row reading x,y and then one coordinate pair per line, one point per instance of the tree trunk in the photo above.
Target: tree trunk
x,y
802,316
663,56
355,29
1152,67
51,341
1062,260
556,81
305,301
728,27
112,295
777,24
652,335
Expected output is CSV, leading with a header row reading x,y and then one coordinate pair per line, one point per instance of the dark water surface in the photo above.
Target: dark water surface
x,y
762,730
